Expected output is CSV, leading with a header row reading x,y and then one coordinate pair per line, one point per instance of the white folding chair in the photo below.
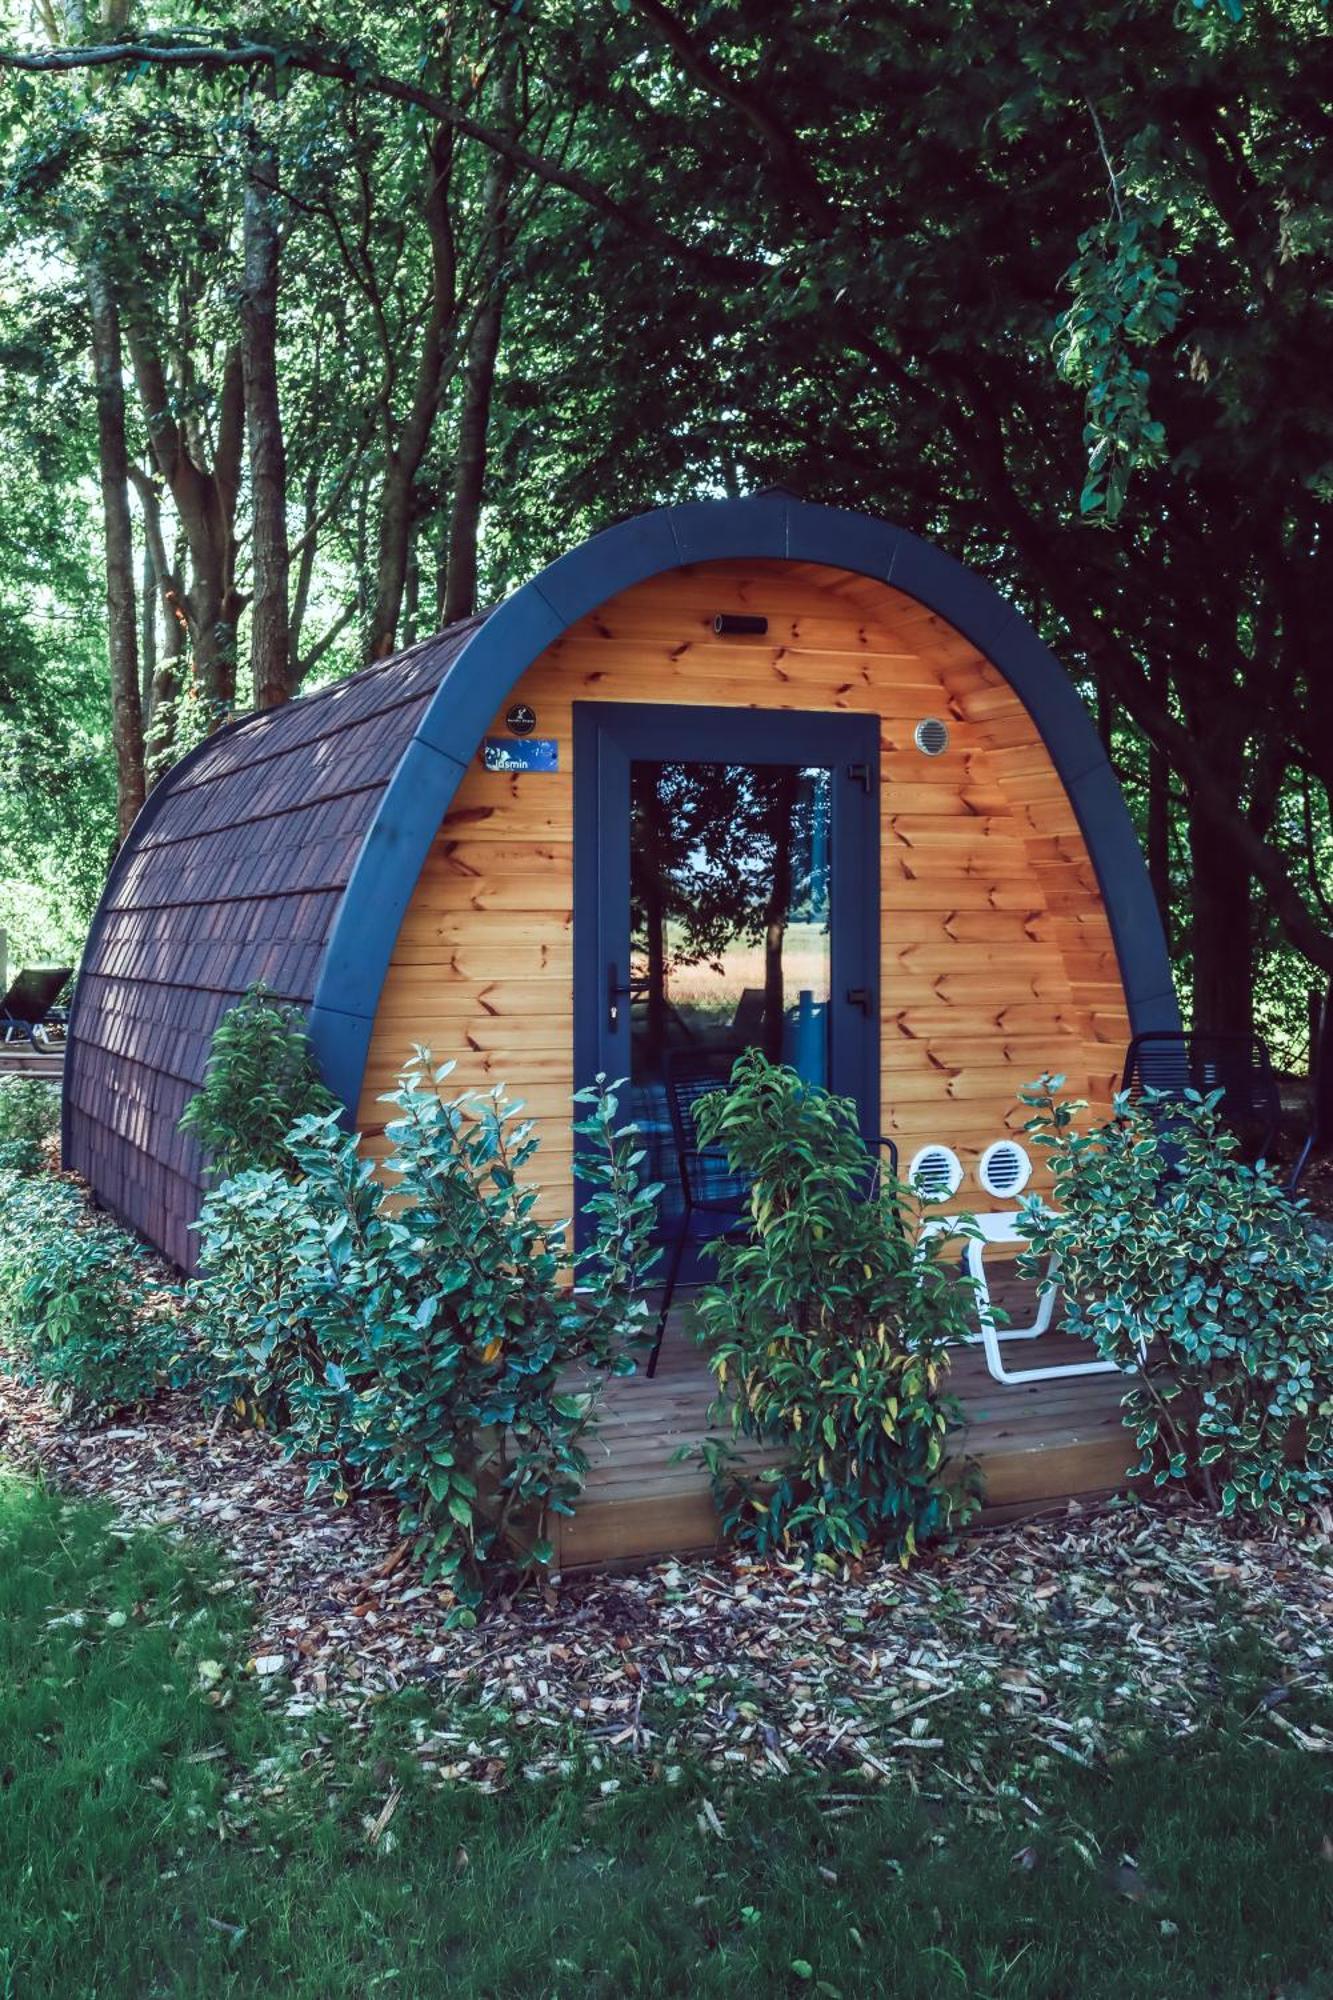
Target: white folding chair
x,y
1001,1226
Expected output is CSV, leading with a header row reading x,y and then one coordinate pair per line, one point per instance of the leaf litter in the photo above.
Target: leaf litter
x,y
1061,1638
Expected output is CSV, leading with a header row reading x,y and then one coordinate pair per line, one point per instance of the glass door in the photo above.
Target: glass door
x,y
726,896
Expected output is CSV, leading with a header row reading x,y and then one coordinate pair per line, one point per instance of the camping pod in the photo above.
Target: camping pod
x,y
730,773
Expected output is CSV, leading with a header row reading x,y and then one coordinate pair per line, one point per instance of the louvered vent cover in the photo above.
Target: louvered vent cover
x,y
1005,1168
936,1173
931,737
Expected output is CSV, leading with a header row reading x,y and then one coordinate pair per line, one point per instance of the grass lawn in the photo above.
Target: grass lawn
x,y
163,1830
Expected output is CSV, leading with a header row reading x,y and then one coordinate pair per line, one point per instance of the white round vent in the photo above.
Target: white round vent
x,y
931,736
1005,1168
936,1173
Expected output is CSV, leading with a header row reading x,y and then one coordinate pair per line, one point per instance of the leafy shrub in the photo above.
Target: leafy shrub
x,y
418,1338
260,1079
31,1210
82,1308
1201,1274
99,1340
826,1330
29,1118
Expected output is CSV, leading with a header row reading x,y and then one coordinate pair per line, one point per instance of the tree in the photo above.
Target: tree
x,y
122,605
1052,288
270,630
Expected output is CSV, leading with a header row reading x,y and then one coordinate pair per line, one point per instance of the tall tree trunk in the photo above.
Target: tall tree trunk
x,y
460,591
1221,906
405,451
121,595
391,560
361,544
213,551
412,595
270,642
307,544
162,688
205,502
148,631
1221,931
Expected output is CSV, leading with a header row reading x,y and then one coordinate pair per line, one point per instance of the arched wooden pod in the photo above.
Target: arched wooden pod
x,y
351,851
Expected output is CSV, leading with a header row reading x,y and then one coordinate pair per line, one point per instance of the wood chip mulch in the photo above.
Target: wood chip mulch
x,y
1058,1634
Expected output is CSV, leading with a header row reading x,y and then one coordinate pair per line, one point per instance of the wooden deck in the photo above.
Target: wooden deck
x,y
1035,1445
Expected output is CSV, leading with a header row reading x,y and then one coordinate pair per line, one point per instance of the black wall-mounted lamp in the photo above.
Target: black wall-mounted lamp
x,y
728,624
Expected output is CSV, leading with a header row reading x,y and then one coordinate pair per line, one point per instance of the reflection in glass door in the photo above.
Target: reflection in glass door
x,y
726,896
730,916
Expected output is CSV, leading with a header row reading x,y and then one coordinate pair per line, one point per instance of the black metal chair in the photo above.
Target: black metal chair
x,y
709,1189
1321,1079
1173,1063
29,1005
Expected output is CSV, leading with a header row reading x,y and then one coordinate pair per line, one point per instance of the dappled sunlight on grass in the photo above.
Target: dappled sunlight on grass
x,y
165,1830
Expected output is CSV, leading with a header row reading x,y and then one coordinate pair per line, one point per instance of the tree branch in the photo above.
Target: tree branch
x,y
798,177
247,55
322,644
976,428
166,575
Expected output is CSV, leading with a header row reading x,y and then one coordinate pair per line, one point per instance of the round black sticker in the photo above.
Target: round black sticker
x,y
521,720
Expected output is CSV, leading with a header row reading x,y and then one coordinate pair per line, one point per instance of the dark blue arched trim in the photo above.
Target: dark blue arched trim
x,y
770,526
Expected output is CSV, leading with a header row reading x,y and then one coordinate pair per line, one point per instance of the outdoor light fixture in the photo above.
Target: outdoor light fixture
x,y
729,623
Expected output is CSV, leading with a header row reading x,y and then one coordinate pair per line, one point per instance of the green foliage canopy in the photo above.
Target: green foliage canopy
x,y
1010,276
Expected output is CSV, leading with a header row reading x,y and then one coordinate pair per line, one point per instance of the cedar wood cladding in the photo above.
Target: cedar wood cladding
x,y
234,874
289,847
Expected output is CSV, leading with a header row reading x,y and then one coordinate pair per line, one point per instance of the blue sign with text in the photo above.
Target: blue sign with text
x,y
520,753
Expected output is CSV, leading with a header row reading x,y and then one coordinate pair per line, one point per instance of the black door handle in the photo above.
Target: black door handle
x,y
862,997
615,992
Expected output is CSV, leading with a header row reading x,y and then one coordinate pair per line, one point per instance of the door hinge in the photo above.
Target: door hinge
x,y
862,775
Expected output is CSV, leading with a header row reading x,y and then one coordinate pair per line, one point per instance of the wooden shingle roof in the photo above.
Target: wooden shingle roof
x,y
233,874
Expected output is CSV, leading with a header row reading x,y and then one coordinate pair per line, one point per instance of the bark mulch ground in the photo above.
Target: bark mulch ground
x,y
1060,1634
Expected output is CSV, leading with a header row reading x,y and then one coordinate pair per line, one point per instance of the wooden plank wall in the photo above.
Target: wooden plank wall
x,y
997,958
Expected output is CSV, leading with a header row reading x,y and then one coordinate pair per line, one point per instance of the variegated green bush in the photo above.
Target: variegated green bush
x,y
84,1308
29,1120
419,1331
260,1079
1203,1278
827,1329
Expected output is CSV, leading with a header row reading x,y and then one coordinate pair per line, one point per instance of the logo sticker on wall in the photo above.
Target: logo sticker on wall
x,y
532,753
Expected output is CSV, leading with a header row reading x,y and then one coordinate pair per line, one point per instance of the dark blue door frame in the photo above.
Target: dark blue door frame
x,y
608,738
